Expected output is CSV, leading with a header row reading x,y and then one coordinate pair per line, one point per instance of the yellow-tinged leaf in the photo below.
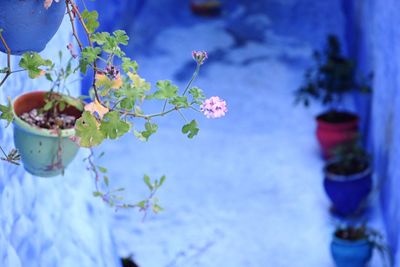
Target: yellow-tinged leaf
x,y
103,81
96,107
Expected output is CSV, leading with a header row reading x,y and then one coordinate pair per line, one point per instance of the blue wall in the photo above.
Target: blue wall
x,y
50,222
373,37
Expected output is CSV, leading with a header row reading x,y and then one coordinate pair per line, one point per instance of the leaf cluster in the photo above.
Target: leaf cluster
x,y
332,76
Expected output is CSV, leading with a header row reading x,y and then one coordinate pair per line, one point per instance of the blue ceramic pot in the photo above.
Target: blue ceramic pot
x,y
348,253
27,25
348,193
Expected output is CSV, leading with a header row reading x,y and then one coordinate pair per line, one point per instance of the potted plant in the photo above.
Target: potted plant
x,y
29,25
43,127
328,81
207,8
114,108
353,247
348,180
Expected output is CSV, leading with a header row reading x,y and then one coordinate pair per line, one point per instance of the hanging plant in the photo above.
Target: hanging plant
x,y
117,96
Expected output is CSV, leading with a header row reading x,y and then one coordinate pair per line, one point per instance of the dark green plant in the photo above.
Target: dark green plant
x,y
349,158
332,76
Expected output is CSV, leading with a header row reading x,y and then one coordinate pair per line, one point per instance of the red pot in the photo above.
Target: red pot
x,y
206,8
335,128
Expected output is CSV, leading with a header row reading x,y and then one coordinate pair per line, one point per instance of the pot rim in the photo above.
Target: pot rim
x,y
34,129
352,243
351,113
345,178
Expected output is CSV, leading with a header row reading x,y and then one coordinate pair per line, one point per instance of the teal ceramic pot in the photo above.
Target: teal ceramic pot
x,y
43,152
27,25
348,253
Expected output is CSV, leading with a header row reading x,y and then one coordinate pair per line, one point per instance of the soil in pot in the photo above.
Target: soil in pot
x,y
335,128
42,135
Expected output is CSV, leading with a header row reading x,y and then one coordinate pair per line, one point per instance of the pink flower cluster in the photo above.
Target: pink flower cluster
x,y
199,56
214,107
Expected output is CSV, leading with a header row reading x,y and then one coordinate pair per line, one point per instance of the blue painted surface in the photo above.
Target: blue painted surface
x,y
27,26
351,253
50,222
373,39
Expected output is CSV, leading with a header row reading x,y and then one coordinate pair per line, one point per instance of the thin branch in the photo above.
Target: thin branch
x,y
8,72
83,24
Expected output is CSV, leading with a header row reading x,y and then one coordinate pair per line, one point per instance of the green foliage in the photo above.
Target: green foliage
x,y
191,129
165,90
129,65
32,62
151,128
332,76
91,20
7,113
197,95
87,129
112,126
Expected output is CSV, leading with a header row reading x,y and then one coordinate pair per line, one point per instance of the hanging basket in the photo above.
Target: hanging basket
x,y
27,25
44,152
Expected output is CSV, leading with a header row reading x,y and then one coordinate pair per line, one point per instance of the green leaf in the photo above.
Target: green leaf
x,y
147,181
90,19
7,113
156,208
162,180
191,129
121,37
112,126
90,54
106,180
151,128
180,101
97,194
129,65
102,169
132,90
88,131
197,95
165,90
32,62
142,204
100,37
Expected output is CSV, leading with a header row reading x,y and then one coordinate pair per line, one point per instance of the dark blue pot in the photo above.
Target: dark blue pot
x,y
27,25
348,193
348,253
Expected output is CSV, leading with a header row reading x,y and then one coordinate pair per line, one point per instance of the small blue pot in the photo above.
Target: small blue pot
x,y
348,253
348,193
27,25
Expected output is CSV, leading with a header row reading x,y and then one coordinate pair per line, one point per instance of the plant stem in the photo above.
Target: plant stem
x,y
8,72
194,76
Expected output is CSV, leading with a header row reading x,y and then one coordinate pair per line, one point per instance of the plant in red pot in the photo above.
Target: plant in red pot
x,y
329,81
348,179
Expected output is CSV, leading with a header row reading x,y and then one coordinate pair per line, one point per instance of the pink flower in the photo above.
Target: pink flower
x,y
199,56
71,49
214,107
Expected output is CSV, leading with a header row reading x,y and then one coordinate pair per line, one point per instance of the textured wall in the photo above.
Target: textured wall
x,y
374,38
50,222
